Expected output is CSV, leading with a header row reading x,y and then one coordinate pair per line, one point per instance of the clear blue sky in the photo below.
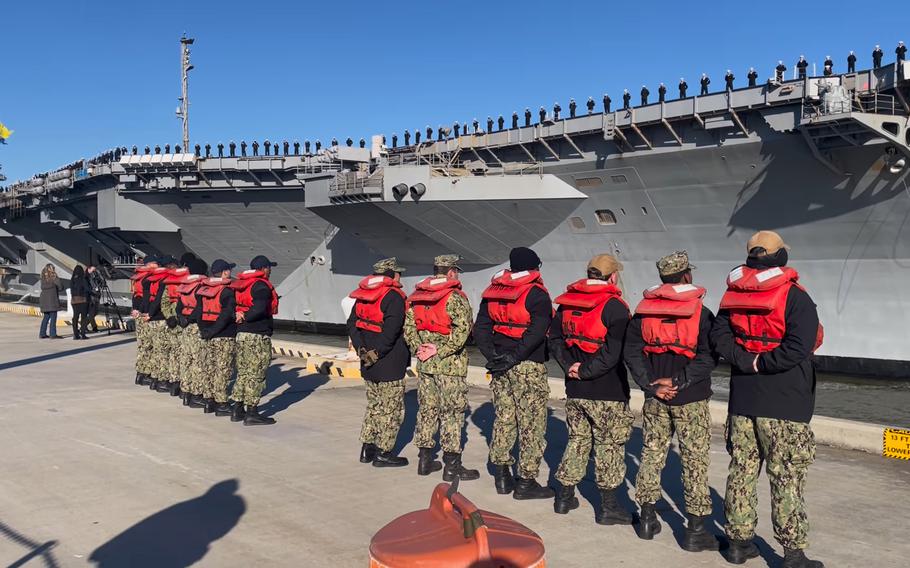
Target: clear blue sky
x,y
81,76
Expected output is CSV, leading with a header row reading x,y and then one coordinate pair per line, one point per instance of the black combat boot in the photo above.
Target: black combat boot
x,y
223,409
530,489
163,386
565,500
425,462
502,476
611,512
388,459
253,418
368,453
454,468
138,378
209,405
739,551
796,558
185,397
648,526
238,412
196,401
145,379
153,383
173,388
697,538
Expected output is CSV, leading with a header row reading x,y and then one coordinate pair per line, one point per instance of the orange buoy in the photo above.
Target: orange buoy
x,y
454,533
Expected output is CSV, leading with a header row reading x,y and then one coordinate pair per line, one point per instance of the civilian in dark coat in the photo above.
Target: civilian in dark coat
x,y
49,301
79,293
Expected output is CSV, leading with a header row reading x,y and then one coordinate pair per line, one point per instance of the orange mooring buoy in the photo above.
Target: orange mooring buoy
x,y
454,533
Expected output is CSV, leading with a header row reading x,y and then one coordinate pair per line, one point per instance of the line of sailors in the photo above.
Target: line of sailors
x,y
191,327
767,329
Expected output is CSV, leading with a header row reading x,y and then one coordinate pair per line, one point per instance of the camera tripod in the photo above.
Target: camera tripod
x,y
108,306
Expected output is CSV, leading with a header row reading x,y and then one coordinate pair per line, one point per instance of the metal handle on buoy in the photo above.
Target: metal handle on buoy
x,y
447,502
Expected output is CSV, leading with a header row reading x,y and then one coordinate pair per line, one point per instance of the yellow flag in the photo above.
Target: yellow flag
x,y
4,132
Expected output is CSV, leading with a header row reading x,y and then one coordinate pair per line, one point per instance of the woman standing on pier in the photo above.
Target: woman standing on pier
x,y
49,301
79,293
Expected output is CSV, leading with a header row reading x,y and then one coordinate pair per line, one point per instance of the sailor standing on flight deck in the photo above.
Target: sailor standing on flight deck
x,y
257,304
829,66
705,81
801,66
752,76
728,80
607,100
437,327
626,99
662,93
768,329
586,338
644,95
851,63
779,71
511,332
683,87
669,355
376,329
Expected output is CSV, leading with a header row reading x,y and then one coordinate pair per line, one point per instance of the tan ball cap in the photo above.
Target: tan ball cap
x,y
768,240
606,264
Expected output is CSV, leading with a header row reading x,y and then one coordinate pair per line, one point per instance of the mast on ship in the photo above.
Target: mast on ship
x,y
183,111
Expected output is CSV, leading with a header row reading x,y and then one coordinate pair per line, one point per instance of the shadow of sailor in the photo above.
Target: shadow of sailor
x,y
178,536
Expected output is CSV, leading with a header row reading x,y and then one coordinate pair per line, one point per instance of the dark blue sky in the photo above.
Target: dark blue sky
x,y
80,76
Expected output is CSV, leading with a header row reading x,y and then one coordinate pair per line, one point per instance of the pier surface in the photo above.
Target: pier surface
x,y
98,471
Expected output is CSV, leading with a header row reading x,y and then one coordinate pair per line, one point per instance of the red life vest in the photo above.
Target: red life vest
x,y
243,287
757,300
138,276
187,293
506,296
582,307
429,304
175,277
210,292
671,314
156,277
369,295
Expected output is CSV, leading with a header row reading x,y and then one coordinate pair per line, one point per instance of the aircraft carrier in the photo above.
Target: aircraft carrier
x,y
822,160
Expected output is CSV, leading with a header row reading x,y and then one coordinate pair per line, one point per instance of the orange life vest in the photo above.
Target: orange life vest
x,y
671,314
243,287
505,298
187,293
156,278
581,306
757,300
210,292
138,276
369,295
428,303
175,277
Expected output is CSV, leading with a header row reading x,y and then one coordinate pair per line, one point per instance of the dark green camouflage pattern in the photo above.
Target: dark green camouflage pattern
x,y
605,427
520,401
191,359
692,424
158,339
143,346
442,400
451,357
787,448
254,355
218,366
384,413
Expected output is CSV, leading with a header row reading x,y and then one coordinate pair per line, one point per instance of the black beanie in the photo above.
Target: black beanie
x,y
523,258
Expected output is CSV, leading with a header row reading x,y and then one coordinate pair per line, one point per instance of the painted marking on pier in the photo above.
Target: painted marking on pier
x,y
896,443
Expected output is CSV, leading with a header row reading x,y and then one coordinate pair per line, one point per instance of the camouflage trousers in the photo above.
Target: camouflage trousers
x,y
520,402
191,357
254,355
172,337
143,346
605,427
692,424
787,448
217,367
442,400
159,339
384,414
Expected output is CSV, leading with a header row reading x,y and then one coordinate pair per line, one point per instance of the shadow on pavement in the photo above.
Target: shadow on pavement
x,y
36,549
177,536
299,386
406,432
61,354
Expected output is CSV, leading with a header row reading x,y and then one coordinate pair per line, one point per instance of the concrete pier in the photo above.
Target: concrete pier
x,y
98,471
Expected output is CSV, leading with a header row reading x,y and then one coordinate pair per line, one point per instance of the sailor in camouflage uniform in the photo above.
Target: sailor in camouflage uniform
x,y
172,332
768,329
376,329
143,345
216,309
511,332
191,345
437,326
586,339
668,352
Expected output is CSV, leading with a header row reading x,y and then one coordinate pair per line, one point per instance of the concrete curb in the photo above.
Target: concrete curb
x,y
846,434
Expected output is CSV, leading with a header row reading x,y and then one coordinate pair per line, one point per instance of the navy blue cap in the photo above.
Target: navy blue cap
x,y
165,260
150,258
261,262
221,265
